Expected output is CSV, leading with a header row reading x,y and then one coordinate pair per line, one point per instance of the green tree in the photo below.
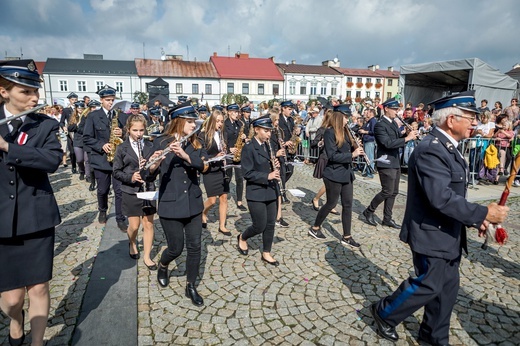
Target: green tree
x,y
140,97
230,98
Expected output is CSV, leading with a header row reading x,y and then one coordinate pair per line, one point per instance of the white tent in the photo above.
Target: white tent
x,y
429,81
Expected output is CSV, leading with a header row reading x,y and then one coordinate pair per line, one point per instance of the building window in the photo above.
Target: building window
x,y
390,81
368,93
82,85
208,89
378,95
276,89
388,95
99,85
245,88
349,79
334,90
358,93
119,87
314,86
378,80
303,90
63,85
261,89
178,88
369,80
360,80
292,88
349,93
230,88
323,89
194,88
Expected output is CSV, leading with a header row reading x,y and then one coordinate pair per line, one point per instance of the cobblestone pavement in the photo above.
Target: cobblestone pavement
x,y
320,294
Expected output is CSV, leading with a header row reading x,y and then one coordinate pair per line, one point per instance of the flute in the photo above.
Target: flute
x,y
273,163
32,110
356,143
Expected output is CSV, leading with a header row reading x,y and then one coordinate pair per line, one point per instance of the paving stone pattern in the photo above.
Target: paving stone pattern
x,y
319,295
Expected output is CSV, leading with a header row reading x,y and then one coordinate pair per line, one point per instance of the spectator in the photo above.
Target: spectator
x,y
313,124
483,106
496,111
369,141
512,111
505,134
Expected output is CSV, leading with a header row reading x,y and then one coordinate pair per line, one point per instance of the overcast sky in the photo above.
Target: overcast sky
x,y
358,32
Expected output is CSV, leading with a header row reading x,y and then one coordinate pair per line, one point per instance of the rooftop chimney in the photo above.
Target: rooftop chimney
x,y
391,68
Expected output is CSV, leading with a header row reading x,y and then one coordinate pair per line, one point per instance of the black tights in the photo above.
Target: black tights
x,y
263,215
333,192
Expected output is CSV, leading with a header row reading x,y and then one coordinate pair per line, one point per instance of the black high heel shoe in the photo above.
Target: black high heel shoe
x,y
240,250
275,263
20,340
191,292
317,208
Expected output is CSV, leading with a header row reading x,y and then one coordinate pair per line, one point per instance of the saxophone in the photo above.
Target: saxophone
x,y
114,140
295,139
239,144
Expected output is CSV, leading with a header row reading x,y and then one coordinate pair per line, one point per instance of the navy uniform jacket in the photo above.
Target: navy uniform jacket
x,y
65,115
256,166
339,164
96,133
287,127
231,130
437,211
27,203
211,152
389,140
179,193
126,163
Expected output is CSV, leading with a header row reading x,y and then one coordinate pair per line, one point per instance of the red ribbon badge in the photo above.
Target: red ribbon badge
x,y
22,138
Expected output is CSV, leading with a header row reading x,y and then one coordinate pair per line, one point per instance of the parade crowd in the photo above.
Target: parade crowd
x,y
170,151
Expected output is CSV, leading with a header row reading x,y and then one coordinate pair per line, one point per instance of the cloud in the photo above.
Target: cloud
x,y
360,33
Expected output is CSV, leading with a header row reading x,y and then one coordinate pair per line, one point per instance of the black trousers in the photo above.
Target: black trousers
x,y
263,215
239,181
289,169
435,287
333,191
176,231
104,178
389,178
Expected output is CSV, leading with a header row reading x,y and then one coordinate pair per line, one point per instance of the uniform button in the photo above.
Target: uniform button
x,y
17,160
11,182
185,191
11,168
11,197
184,181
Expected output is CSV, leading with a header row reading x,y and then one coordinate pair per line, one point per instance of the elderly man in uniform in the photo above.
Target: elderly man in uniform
x,y
388,139
96,136
434,226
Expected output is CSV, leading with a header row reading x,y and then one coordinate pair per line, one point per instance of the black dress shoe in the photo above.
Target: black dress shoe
x,y
334,212
74,171
102,217
152,267
20,340
242,252
368,217
92,186
122,226
391,223
162,275
82,176
204,225
241,207
226,233
383,328
317,208
192,293
275,263
135,255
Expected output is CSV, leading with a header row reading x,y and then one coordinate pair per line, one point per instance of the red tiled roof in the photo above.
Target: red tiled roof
x,y
39,66
175,68
308,69
243,67
365,72
389,74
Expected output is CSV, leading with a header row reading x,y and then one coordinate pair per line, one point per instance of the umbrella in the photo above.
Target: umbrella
x,y
123,105
324,102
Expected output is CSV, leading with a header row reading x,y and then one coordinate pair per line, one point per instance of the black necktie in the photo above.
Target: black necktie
x,y
110,115
16,123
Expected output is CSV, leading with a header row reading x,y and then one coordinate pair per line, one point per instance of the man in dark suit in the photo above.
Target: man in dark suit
x,y
286,124
389,139
434,226
96,136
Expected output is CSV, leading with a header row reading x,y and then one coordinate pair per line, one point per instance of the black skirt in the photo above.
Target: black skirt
x,y
320,167
216,183
133,206
26,260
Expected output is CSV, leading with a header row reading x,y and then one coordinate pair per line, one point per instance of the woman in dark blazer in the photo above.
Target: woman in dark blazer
x,y
180,197
29,151
215,180
337,175
130,156
262,188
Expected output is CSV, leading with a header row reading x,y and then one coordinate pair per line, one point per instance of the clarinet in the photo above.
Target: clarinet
x,y
356,143
273,164
408,126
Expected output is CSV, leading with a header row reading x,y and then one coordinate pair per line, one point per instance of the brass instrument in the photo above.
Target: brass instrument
x,y
356,143
295,139
273,165
153,128
239,144
114,141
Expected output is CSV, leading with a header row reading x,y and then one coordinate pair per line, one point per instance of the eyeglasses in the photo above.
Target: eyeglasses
x,y
470,118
